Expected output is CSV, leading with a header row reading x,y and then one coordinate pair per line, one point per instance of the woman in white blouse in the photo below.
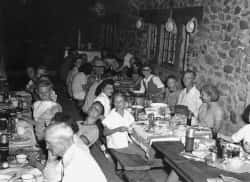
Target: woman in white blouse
x,y
104,92
116,128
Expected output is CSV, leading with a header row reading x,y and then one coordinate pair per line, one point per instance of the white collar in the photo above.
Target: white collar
x,y
104,95
191,90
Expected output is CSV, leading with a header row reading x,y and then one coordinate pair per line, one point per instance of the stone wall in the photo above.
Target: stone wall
x,y
220,49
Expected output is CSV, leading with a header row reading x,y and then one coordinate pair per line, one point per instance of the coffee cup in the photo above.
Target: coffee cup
x,y
28,178
21,158
20,130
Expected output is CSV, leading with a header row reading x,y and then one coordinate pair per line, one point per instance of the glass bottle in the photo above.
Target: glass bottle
x,y
4,148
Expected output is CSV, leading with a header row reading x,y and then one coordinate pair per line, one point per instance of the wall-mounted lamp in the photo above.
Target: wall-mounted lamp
x,y
139,23
171,26
191,26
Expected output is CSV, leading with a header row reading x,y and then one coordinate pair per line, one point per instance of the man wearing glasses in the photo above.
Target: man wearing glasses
x,y
151,85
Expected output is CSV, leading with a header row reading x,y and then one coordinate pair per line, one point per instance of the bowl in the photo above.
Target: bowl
x,y
235,163
157,105
4,177
21,158
28,178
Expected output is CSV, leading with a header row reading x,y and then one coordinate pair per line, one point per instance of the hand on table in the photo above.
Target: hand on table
x,y
33,161
131,90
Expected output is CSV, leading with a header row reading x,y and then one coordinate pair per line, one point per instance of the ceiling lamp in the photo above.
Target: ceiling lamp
x,y
191,26
99,9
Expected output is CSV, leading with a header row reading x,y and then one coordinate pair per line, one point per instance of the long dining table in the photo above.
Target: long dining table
x,y
189,170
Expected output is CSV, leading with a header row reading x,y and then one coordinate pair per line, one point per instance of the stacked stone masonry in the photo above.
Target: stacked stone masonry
x,y
221,49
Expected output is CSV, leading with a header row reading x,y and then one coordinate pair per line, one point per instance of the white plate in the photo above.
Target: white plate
x,y
4,177
159,105
137,107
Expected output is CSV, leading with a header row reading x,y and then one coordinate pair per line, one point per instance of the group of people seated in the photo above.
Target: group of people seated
x,y
91,86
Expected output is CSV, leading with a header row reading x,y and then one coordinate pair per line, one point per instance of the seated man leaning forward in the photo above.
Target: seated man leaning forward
x,y
51,169
151,85
116,128
45,108
76,164
190,95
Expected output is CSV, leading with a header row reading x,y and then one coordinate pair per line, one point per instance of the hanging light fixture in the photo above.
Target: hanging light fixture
x,y
98,8
191,26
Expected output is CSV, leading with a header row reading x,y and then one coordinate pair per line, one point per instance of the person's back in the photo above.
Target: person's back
x,y
79,165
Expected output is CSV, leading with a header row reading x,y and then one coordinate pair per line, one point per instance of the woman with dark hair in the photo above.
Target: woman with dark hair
x,y
245,115
79,83
104,91
88,129
243,134
210,114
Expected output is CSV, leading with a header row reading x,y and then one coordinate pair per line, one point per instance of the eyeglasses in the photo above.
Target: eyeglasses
x,y
146,70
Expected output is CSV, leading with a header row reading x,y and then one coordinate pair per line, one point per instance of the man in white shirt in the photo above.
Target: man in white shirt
x,y
151,85
79,82
72,73
114,120
128,60
190,95
76,164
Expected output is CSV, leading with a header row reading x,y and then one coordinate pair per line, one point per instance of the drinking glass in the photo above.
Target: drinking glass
x,y
172,111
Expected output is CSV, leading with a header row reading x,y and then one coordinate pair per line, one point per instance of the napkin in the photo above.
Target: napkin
x,y
16,173
223,178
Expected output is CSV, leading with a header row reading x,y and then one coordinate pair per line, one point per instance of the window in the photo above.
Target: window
x,y
110,36
167,47
151,40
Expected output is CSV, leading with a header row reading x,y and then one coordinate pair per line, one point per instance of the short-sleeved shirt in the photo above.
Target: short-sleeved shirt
x,y
126,62
69,79
78,83
114,120
191,99
242,134
156,80
171,98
